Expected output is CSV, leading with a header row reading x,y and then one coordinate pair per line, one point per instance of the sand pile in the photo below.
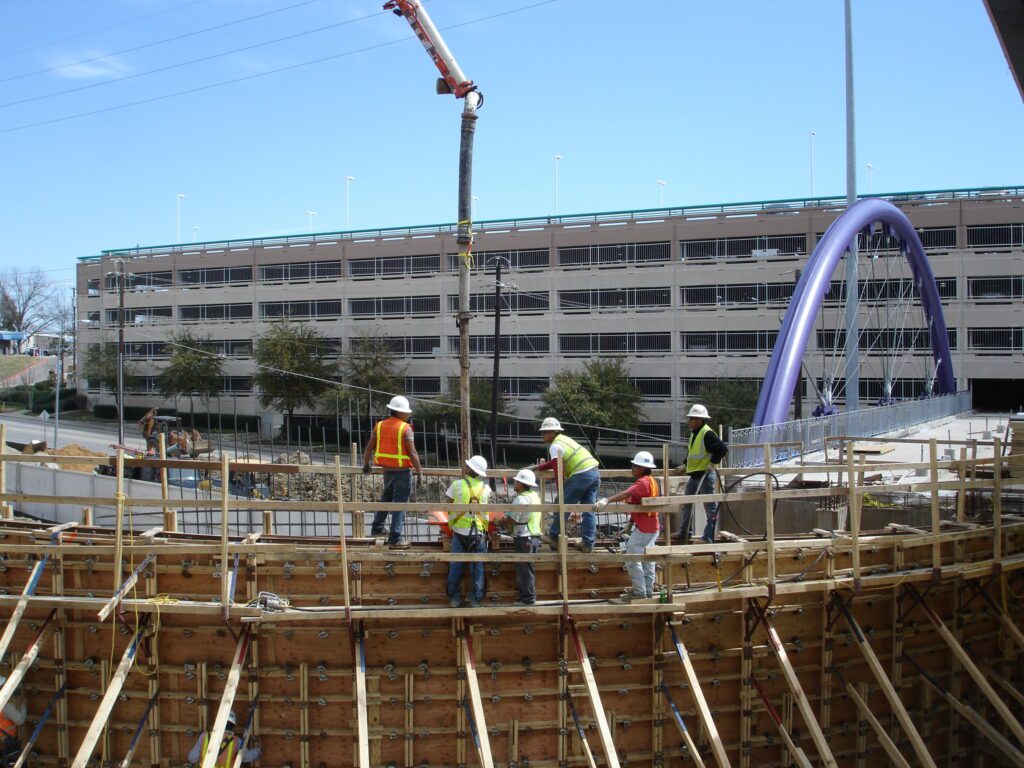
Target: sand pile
x,y
73,449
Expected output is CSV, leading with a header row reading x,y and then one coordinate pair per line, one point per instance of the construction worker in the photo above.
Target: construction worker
x,y
147,423
11,718
230,745
391,446
526,533
582,480
644,526
469,531
706,451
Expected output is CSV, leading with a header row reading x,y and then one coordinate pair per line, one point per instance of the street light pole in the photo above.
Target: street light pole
x,y
180,198
661,192
810,144
348,201
557,158
311,214
495,377
871,171
120,352
195,231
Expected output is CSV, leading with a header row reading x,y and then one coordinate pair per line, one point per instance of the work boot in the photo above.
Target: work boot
x,y
520,602
474,603
455,602
582,546
627,597
551,541
399,545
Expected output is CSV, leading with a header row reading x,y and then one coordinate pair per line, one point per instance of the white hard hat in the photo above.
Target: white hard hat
x,y
478,464
698,411
644,459
232,720
526,477
400,404
551,424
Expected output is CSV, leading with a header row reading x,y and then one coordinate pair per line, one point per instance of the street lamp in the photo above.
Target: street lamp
x,y
661,192
557,158
195,231
871,170
311,214
348,201
180,198
810,143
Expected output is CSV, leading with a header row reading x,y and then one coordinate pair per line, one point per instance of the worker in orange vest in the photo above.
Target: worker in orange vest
x,y
11,718
391,446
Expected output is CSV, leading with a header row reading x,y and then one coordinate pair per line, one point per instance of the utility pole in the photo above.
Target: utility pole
x,y
453,81
120,351
56,391
497,359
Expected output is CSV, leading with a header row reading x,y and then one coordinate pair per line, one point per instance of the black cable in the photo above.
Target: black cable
x,y
736,481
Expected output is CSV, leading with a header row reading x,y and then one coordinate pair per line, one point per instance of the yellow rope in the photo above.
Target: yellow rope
x,y
467,255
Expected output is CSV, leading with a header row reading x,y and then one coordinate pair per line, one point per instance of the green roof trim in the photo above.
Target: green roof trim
x,y
577,218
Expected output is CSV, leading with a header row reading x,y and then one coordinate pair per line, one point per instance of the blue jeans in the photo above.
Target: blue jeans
x,y
697,485
581,488
398,488
641,573
474,544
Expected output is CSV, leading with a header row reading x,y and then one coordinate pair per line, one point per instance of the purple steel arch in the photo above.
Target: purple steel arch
x,y
784,366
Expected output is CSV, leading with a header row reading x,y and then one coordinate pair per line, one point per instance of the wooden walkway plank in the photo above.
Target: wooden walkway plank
x,y
706,718
475,702
779,650
19,609
920,749
968,664
109,699
227,699
607,743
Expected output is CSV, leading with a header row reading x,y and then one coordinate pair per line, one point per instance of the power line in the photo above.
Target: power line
x,y
101,29
257,75
200,60
182,36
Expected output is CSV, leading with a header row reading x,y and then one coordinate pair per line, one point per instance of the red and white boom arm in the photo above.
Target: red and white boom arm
x,y
453,80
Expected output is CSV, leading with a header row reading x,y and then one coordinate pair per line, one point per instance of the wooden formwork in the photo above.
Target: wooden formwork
x,y
861,648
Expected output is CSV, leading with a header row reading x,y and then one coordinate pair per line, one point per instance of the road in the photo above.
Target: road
x,y
95,437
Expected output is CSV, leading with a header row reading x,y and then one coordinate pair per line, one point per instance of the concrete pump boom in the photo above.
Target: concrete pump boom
x,y
453,80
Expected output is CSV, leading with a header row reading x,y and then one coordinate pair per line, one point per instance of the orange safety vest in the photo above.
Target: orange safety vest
x,y
7,727
226,751
390,450
655,492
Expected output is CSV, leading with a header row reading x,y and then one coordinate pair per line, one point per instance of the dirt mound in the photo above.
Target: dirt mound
x,y
73,449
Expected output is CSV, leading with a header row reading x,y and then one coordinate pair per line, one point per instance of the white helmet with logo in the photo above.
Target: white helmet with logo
x,y
698,411
644,459
551,424
526,477
478,464
232,720
399,404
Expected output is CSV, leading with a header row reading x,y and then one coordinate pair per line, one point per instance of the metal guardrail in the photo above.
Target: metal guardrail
x,y
789,436
766,206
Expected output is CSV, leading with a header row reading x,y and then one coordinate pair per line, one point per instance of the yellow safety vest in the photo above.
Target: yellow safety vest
x,y
575,458
471,490
227,750
533,522
698,459
390,449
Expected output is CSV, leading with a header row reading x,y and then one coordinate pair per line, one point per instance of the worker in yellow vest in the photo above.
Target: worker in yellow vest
x,y
469,530
526,533
11,718
706,451
392,447
230,745
581,483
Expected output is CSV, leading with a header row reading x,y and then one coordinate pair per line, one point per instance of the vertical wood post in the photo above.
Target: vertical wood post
x,y
933,458
342,537
119,518
170,513
997,501
769,517
5,511
225,571
563,540
665,492
358,516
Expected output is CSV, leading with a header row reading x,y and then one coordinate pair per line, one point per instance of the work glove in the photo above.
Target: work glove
x,y
600,504
366,468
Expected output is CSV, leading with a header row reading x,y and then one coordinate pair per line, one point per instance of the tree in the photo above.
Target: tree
x,y
193,369
291,370
731,402
370,366
599,396
23,300
59,319
99,366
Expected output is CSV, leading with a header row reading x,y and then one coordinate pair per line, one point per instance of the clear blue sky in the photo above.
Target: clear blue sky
x,y
715,98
